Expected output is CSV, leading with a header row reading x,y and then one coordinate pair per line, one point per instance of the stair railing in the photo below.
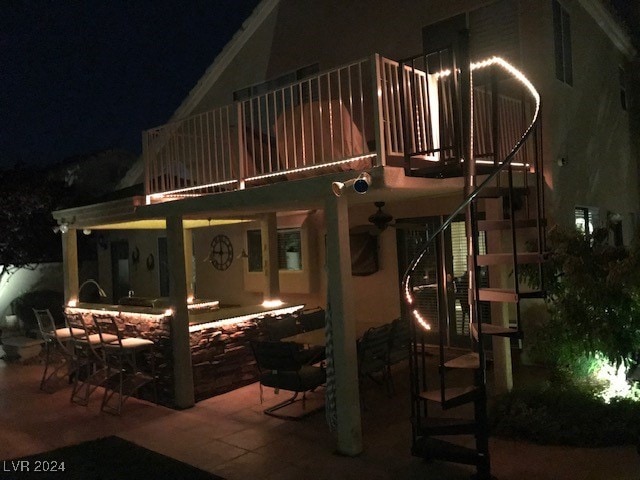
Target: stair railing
x,y
407,292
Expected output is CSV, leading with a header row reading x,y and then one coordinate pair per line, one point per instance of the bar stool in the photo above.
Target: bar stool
x,y
56,340
88,357
121,358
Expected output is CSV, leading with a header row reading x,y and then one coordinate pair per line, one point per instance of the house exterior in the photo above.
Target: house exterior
x,y
309,93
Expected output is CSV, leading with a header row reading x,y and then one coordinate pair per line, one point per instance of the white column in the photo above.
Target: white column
x,y
500,312
70,265
349,427
188,261
269,233
182,370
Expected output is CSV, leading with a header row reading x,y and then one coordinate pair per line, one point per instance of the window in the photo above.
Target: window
x,y
254,250
586,219
289,249
562,43
275,83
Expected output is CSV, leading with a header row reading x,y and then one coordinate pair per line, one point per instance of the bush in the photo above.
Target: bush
x,y
593,296
565,416
40,299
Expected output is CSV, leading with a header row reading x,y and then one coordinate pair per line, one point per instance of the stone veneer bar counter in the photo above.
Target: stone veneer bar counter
x,y
219,337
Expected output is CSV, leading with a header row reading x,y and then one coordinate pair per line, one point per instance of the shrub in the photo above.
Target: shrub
x,y
565,416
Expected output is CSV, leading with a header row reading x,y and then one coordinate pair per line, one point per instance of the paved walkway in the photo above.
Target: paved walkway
x,y
230,436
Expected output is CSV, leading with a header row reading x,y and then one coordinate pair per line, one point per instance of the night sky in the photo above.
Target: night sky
x,y
80,76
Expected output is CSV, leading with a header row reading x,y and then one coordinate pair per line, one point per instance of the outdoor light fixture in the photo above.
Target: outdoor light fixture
x,y
360,184
63,225
272,303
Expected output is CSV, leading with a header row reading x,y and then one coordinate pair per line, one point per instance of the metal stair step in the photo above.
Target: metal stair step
x,y
469,360
497,295
453,396
484,225
507,258
446,426
496,330
506,295
436,449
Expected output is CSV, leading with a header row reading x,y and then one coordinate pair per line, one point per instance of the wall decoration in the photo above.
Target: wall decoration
x,y
135,255
151,262
221,254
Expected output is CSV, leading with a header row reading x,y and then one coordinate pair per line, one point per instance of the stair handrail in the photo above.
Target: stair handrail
x,y
406,278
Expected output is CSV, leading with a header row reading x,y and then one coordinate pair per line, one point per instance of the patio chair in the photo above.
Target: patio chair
x,y
56,341
121,357
312,319
399,341
399,344
288,326
373,356
279,328
88,357
281,368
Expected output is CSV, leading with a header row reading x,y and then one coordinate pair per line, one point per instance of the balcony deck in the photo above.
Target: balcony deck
x,y
352,118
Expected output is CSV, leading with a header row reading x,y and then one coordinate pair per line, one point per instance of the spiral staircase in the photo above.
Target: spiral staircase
x,y
480,122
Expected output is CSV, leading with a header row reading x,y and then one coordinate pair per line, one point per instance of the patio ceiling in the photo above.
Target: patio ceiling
x,y
389,185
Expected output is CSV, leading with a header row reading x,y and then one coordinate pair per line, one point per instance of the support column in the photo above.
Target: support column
x,y
500,312
188,262
70,265
182,370
349,427
269,232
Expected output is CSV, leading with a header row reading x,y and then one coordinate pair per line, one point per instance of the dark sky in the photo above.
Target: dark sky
x,y
78,76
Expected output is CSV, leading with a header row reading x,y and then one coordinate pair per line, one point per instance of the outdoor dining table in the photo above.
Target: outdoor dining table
x,y
317,337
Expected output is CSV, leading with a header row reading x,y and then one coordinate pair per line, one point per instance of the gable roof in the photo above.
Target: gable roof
x,y
224,58
610,26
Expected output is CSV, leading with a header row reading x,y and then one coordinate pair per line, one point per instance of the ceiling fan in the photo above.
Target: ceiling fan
x,y
380,218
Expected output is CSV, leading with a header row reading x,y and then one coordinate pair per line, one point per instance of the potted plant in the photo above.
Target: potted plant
x,y
293,256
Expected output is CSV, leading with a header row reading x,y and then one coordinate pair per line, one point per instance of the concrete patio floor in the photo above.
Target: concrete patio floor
x,y
231,437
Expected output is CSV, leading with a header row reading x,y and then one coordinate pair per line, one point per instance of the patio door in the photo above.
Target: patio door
x,y
444,264
121,283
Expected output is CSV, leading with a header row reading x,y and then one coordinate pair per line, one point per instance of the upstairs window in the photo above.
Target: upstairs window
x,y
562,43
276,83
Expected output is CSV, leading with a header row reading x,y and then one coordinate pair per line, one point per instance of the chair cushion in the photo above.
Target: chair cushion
x,y
136,342
64,333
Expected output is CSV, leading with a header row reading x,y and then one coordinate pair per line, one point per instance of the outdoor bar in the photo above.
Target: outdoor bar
x,y
219,339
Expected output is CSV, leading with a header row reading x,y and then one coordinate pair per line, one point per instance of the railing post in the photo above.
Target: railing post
x,y
378,123
241,151
146,160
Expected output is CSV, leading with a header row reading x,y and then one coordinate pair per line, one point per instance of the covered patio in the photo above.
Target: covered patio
x,y
230,436
326,271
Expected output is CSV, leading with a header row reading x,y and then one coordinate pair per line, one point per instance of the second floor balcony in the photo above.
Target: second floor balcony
x,y
372,112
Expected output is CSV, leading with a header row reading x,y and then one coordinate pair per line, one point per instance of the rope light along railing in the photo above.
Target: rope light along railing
x,y
518,75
